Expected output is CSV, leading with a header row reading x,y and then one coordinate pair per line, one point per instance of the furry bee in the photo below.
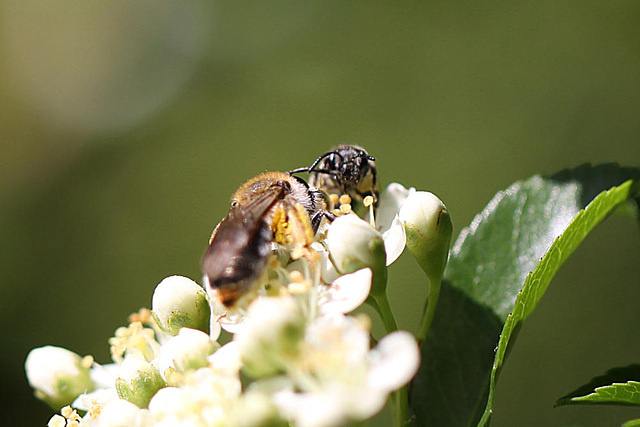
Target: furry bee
x,y
270,207
346,169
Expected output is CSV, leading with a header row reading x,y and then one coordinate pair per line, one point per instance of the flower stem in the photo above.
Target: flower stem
x,y
401,398
429,313
381,305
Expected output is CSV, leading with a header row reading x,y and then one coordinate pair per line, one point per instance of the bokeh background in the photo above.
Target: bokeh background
x,y
125,126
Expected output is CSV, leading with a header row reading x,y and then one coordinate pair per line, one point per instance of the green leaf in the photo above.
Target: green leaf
x,y
618,386
499,268
457,357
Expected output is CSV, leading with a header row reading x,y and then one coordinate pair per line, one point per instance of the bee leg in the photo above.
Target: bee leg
x,y
317,216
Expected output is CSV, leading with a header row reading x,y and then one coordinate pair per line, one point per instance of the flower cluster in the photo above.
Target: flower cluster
x,y
295,357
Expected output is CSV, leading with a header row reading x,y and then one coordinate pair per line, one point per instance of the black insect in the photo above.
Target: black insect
x,y
346,169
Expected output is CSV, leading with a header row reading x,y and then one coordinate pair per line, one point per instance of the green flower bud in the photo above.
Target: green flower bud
x,y
271,336
428,228
179,302
58,375
354,244
138,381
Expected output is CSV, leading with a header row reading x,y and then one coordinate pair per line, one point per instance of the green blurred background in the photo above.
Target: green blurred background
x,y
125,126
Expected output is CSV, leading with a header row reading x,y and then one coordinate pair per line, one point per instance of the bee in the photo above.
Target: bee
x,y
270,207
346,169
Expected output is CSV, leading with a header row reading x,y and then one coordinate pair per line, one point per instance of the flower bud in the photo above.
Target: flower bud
x,y
138,381
428,228
188,350
179,302
274,328
354,244
58,375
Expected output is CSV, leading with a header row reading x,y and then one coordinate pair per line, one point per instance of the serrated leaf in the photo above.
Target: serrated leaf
x,y
618,386
491,266
538,281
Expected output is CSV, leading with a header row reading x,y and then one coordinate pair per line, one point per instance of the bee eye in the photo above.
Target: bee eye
x,y
234,203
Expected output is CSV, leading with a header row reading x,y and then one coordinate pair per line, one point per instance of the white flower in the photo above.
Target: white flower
x,y
206,398
273,329
303,361
180,302
119,413
255,409
387,220
347,292
342,380
58,375
226,359
354,244
186,351
104,377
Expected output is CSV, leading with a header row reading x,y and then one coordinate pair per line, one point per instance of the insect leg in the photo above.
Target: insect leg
x,y
317,216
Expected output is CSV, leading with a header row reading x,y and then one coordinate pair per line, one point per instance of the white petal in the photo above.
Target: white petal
x,y
394,240
169,400
328,271
320,409
102,396
227,358
390,201
217,311
188,349
354,243
394,361
121,413
348,292
367,401
104,375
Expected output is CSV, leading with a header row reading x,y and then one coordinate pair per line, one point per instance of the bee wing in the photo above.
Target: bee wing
x,y
240,246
